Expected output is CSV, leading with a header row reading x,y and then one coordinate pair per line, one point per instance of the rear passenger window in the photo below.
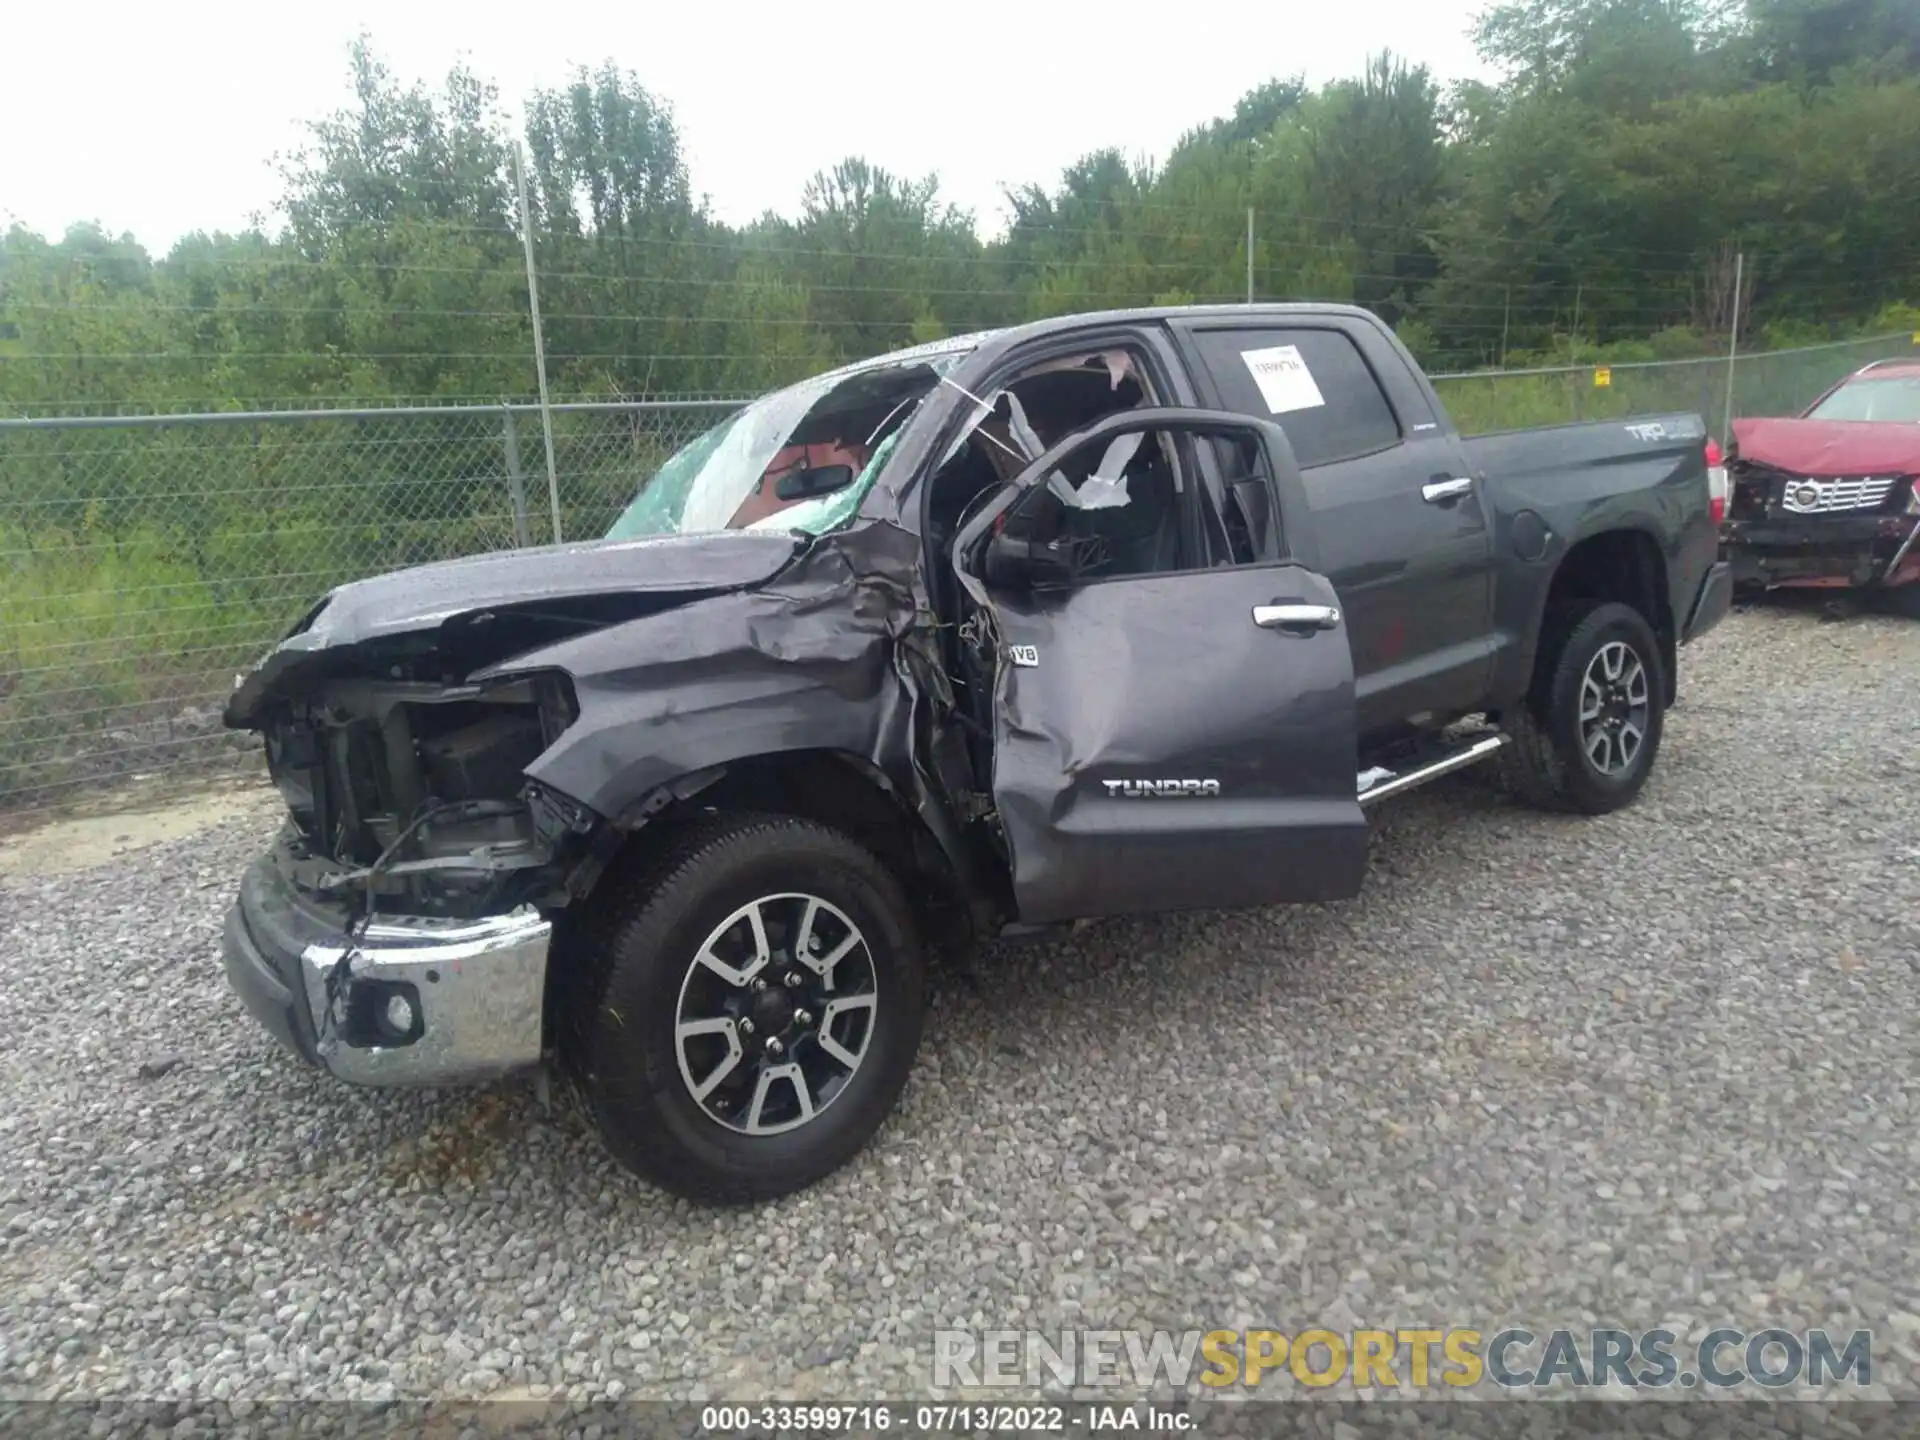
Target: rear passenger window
x,y
1313,383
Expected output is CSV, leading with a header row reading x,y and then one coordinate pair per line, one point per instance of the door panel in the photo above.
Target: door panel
x,y
1157,749
1414,574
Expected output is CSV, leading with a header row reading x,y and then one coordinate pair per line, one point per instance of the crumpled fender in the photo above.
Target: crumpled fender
x,y
826,657
425,600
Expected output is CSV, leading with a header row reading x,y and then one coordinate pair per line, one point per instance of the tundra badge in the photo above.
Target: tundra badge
x,y
1134,789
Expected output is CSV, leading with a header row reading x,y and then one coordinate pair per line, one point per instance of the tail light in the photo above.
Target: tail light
x,y
1716,482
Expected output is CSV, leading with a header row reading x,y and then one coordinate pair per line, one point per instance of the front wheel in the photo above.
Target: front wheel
x,y
752,1003
1586,737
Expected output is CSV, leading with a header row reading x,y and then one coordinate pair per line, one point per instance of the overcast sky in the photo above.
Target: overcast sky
x,y
162,119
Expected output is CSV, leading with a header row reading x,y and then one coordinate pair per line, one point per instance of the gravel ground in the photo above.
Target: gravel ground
x,y
1653,1068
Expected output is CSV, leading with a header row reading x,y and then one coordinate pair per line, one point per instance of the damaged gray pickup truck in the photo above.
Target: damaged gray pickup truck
x,y
1100,615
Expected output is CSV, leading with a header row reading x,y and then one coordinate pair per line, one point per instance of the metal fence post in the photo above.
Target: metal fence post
x,y
539,337
516,477
1250,254
1733,345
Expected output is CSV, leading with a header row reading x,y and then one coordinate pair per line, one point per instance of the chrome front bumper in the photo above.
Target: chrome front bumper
x,y
474,989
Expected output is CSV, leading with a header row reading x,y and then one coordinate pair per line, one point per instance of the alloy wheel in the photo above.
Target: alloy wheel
x,y
1615,702
776,1013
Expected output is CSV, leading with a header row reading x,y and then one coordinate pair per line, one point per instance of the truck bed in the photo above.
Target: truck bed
x,y
1551,460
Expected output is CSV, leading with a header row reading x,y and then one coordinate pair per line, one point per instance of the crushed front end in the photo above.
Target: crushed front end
x,y
397,930
1790,530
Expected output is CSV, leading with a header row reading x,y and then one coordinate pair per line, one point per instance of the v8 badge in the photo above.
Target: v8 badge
x,y
1025,656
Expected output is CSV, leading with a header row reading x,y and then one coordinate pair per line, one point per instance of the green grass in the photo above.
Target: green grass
x,y
140,569
1779,383
115,646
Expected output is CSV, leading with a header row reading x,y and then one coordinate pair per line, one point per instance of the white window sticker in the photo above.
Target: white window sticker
x,y
1284,380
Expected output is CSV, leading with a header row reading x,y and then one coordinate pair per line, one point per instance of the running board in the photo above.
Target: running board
x,y
1379,783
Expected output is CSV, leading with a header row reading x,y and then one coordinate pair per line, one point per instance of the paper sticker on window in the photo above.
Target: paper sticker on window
x,y
1284,380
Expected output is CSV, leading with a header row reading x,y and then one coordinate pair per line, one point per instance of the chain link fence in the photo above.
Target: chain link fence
x,y
1773,382
145,560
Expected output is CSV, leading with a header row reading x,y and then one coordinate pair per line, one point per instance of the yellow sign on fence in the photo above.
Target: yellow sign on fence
x,y
1602,378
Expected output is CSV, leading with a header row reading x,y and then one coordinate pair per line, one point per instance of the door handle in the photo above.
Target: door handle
x,y
1296,617
1435,491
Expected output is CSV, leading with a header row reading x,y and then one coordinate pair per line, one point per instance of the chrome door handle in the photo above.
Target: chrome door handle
x,y
1436,490
1300,617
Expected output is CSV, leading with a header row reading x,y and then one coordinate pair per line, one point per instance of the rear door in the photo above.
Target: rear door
x,y
1401,524
1174,725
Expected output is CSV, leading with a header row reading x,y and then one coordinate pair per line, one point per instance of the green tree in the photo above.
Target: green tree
x,y
1375,165
883,257
1809,41
628,248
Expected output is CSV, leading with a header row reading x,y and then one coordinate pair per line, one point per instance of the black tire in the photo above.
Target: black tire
x,y
1548,764
1901,600
634,951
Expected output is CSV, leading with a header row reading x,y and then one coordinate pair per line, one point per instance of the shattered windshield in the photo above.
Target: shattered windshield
x,y
1896,400
802,458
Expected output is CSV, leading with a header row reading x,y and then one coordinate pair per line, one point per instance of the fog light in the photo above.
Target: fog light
x,y
400,1014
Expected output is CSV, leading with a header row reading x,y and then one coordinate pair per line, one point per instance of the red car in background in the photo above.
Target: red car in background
x,y
1831,497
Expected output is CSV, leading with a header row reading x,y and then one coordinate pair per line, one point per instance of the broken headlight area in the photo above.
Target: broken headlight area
x,y
413,796
1763,492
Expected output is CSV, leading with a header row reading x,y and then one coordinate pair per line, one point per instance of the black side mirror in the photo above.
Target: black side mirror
x,y
817,480
1015,563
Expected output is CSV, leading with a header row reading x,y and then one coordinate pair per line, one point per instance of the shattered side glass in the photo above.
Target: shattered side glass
x,y
662,500
706,485
702,485
829,512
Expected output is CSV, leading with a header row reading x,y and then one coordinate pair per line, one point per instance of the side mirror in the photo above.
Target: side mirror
x,y
1015,563
818,480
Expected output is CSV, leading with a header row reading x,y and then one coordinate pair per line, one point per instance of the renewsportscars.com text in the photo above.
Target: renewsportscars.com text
x,y
1420,1358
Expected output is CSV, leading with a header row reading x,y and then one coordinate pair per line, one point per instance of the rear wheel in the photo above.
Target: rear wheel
x,y
1901,600
1588,734
752,1003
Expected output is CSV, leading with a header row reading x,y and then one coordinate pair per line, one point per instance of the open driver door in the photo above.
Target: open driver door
x,y
1176,731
